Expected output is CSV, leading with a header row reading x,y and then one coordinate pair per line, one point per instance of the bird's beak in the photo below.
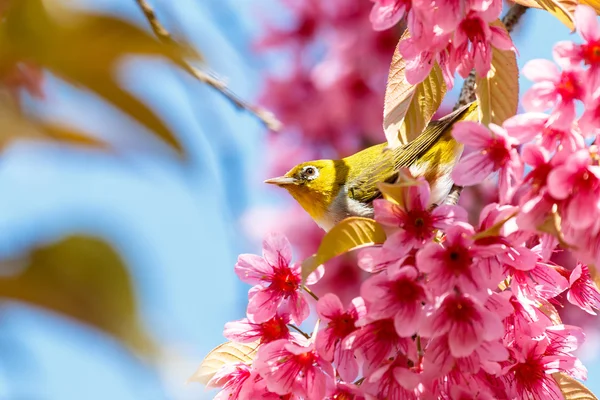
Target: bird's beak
x,y
281,181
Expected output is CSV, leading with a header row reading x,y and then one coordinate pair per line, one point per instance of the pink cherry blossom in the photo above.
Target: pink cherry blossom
x,y
467,323
244,331
236,381
387,13
569,53
494,149
393,380
376,341
583,292
536,360
338,325
278,281
577,182
416,223
474,38
288,367
345,391
377,259
397,295
553,89
450,264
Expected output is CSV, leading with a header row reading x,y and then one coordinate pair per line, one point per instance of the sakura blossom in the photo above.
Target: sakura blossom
x,y
458,302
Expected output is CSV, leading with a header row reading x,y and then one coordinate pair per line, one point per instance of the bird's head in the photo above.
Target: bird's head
x,y
314,184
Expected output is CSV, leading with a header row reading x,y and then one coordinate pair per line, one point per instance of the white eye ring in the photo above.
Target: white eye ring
x,y
310,172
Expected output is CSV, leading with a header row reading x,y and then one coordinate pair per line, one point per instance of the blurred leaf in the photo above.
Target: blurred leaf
x,y
572,389
562,9
350,234
225,354
528,3
498,92
85,49
83,278
14,127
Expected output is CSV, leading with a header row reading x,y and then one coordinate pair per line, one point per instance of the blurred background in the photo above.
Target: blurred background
x,y
129,187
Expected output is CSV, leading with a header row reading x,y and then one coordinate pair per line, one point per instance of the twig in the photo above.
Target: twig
x,y
266,117
310,292
468,94
300,331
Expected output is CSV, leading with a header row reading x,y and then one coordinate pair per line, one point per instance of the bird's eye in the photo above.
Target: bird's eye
x,y
310,172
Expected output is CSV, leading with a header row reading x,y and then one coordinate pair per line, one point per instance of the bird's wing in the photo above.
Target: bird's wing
x,y
363,186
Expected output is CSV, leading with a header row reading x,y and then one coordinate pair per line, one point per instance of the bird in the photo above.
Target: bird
x,y
332,190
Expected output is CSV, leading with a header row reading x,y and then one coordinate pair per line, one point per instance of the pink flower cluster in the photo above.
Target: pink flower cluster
x,y
450,310
469,315
458,34
560,193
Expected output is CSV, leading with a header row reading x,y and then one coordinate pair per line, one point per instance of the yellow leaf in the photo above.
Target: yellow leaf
x,y
85,50
562,9
528,3
225,354
595,4
350,234
82,278
572,389
397,192
551,312
426,100
498,92
408,108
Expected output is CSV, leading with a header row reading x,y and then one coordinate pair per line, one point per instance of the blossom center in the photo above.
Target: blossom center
x,y
458,259
591,53
284,280
568,87
407,291
472,27
419,224
274,329
497,152
305,359
529,374
343,325
460,309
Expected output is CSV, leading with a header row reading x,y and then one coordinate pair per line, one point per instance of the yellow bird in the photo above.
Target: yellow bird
x,y
332,190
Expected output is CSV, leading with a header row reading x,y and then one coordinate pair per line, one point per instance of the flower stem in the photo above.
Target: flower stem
x,y
300,331
314,296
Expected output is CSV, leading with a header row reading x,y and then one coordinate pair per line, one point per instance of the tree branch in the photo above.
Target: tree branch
x,y
467,93
266,117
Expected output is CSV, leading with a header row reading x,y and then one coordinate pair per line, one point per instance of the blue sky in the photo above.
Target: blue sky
x,y
176,227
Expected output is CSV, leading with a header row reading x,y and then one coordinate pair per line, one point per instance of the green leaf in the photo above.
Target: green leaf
x,y
498,92
573,389
562,9
227,353
350,234
409,108
83,278
85,50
